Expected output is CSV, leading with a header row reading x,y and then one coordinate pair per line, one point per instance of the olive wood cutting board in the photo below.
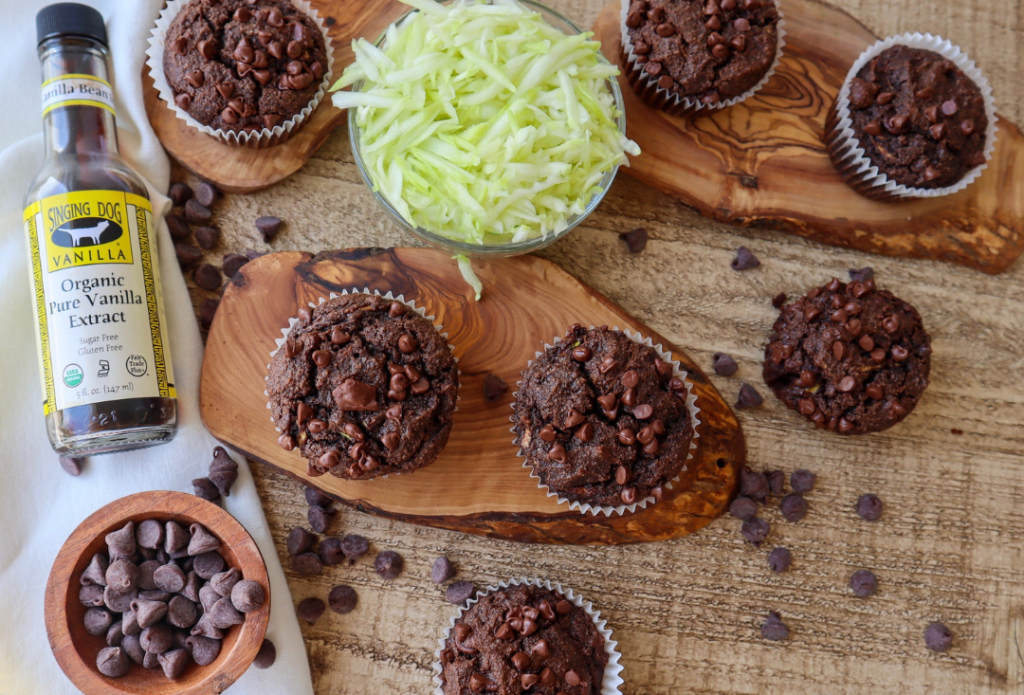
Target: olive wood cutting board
x,y
762,162
478,484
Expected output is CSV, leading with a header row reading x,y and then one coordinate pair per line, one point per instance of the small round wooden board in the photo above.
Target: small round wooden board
x,y
761,162
243,170
478,484
76,650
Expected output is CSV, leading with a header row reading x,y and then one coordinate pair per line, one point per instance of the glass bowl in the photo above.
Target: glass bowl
x,y
564,25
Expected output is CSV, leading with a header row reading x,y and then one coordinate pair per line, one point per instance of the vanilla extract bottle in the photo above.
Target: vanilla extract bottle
x,y
101,332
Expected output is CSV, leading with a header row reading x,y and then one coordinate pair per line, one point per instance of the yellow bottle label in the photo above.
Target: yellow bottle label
x,y
77,90
102,333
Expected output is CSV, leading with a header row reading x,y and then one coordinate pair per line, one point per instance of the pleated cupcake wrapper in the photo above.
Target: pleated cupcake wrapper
x,y
657,97
850,158
612,681
586,507
257,139
410,303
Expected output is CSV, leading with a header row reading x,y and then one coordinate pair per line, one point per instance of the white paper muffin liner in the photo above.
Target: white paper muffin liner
x,y
647,87
410,303
850,158
612,681
257,139
691,407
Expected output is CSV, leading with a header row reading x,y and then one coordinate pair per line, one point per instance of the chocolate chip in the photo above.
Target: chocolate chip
x,y
753,484
207,310
388,564
187,254
232,263
635,240
201,541
207,277
343,599
748,397
223,582
97,621
744,259
114,636
112,662
320,518
268,227
793,507
223,614
267,654
181,612
196,212
122,575
156,639
723,364
204,650
354,546
206,194
494,388
869,507
802,480
208,564
774,629
743,508
779,299
460,592
178,227
299,541
248,596
205,489
207,237
307,564
330,551
71,465
779,560
354,395
863,583
121,543
755,530
442,570
776,481
169,578
310,609
938,637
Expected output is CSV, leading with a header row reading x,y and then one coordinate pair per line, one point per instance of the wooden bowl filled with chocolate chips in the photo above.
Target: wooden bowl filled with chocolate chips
x,y
158,593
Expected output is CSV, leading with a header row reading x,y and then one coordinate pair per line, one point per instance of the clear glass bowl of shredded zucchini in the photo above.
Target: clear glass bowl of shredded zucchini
x,y
486,129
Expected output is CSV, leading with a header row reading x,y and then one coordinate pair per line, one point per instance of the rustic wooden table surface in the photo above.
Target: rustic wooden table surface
x,y
950,545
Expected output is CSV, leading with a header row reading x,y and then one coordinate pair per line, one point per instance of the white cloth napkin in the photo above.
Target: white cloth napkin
x,y
39,504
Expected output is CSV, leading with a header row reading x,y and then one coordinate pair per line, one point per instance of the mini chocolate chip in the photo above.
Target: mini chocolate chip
x,y
315,498
748,397
774,629
207,310
863,583
793,507
268,227
207,237
207,276
776,481
753,484
635,240
354,546
267,654
206,193
442,570
178,227
744,259
494,388
869,507
802,480
310,609
307,564
743,508
938,637
755,530
299,541
779,560
319,518
460,592
388,564
187,254
723,364
71,465
342,599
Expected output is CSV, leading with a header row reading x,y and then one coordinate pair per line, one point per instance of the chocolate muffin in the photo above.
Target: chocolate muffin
x,y
707,52
236,65
602,420
849,357
364,387
523,639
919,119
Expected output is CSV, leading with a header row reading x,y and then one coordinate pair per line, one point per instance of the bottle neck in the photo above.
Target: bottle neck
x,y
81,131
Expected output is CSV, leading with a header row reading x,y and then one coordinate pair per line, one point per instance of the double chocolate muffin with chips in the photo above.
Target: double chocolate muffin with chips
x,y
602,420
236,65
524,639
849,357
363,386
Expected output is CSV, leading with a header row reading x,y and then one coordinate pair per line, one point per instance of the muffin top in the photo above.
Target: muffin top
x,y
237,65
918,117
849,357
709,51
523,639
601,418
364,386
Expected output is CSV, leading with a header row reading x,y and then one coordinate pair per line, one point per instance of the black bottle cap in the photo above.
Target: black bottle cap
x,y
70,19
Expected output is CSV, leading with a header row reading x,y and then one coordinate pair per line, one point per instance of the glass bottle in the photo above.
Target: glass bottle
x,y
101,332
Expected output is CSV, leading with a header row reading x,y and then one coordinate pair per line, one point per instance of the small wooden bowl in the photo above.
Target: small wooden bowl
x,y
76,650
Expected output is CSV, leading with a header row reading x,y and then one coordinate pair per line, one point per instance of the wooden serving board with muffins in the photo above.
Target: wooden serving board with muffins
x,y
478,484
763,162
